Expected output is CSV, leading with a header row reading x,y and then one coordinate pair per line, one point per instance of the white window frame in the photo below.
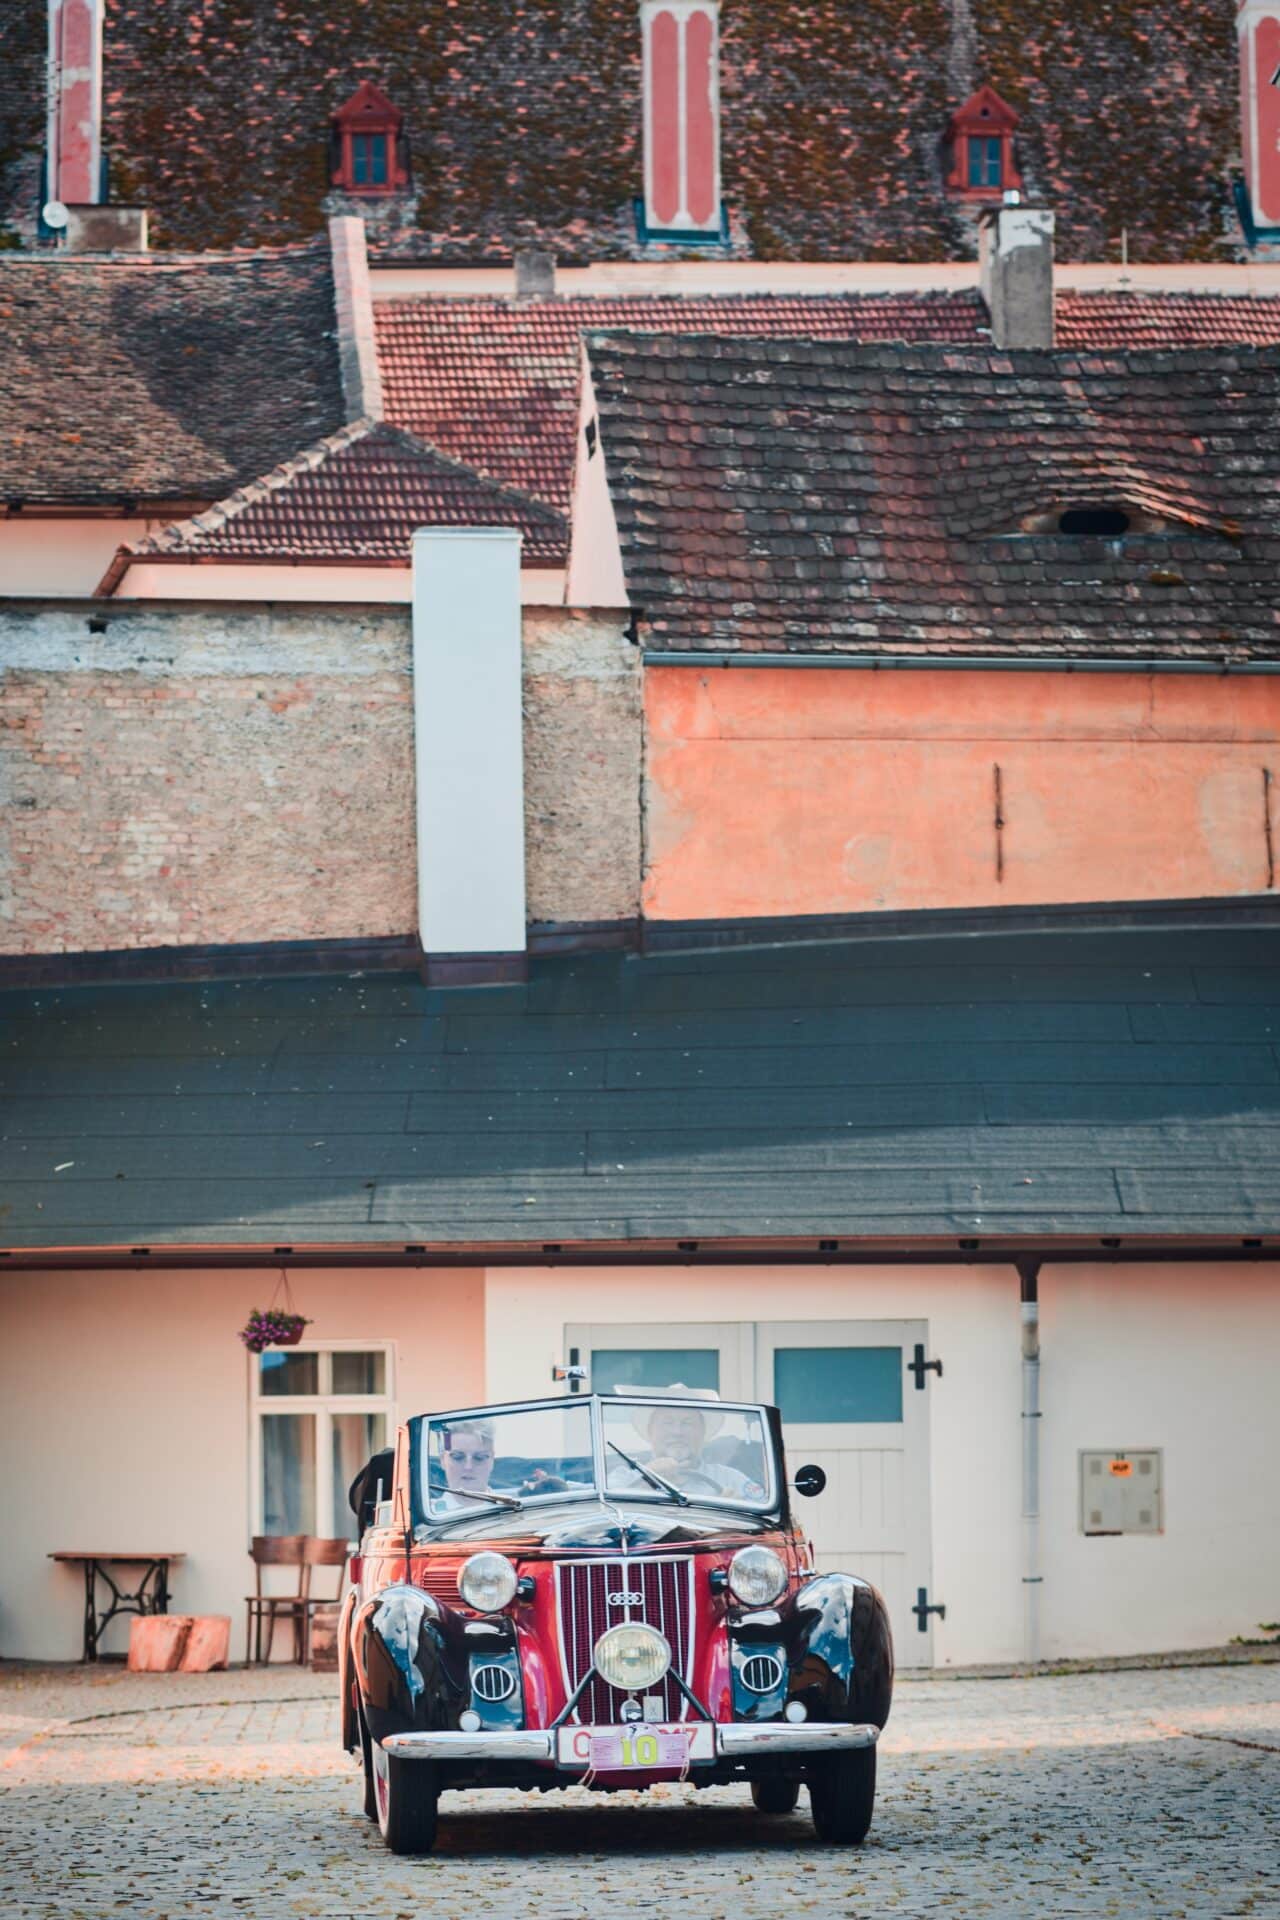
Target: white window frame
x,y
323,1403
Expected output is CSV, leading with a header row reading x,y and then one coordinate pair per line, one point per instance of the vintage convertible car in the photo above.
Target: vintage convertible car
x,y
607,1592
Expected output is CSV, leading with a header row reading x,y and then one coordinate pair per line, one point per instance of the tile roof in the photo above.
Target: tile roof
x,y
355,497
497,384
524,120
813,495
1038,1084
1136,319
152,380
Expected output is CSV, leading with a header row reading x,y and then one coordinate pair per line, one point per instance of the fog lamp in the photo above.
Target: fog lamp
x,y
631,1657
757,1576
487,1582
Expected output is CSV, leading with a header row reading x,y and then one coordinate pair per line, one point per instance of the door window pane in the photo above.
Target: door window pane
x,y
359,1372
282,1372
613,1368
289,1473
838,1385
356,1437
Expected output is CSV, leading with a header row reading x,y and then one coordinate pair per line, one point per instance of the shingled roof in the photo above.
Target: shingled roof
x,y
815,495
496,384
524,120
144,381
355,498
1060,1084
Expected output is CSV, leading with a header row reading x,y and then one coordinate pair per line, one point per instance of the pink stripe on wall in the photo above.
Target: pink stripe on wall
x,y
664,119
76,43
700,131
1266,180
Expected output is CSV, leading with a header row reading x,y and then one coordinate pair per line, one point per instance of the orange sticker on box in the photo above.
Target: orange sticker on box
x,y
1121,1468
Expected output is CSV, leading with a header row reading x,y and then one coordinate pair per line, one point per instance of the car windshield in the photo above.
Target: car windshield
x,y
669,1449
506,1458
662,1447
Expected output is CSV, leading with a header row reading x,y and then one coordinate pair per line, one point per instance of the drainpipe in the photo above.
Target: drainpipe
x,y
1032,1579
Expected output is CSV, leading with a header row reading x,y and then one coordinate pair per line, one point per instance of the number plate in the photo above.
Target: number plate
x,y
637,1748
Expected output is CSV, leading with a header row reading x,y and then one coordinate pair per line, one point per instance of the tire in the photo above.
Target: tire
x,y
406,1798
775,1795
366,1755
842,1797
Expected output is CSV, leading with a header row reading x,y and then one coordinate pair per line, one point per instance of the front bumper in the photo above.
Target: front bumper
x,y
741,1741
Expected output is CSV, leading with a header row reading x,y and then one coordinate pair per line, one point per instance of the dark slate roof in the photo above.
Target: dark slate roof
x,y
354,499
1035,1084
524,120
814,495
140,380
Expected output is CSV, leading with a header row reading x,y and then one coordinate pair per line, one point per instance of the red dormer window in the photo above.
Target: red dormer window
x,y
369,151
980,147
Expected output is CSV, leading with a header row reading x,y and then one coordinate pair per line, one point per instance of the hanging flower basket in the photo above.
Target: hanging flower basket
x,y
274,1328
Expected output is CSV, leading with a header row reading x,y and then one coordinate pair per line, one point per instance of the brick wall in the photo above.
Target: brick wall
x,y
200,775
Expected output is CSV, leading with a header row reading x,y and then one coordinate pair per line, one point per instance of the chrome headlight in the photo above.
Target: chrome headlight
x,y
487,1582
631,1657
757,1576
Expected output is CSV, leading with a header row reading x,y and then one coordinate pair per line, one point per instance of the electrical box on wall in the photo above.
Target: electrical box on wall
x,y
1121,1492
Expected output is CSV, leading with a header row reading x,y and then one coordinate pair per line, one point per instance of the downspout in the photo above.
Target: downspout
x,y
1032,1579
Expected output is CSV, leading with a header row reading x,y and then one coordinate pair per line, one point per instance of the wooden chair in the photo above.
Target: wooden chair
x,y
320,1553
264,1609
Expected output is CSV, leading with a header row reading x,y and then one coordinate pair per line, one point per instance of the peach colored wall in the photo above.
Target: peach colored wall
x,y
124,1419
776,791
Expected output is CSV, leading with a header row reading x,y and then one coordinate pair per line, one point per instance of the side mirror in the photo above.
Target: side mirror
x,y
809,1481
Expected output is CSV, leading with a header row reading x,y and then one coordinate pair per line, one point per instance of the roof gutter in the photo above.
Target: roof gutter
x,y
996,1250
955,663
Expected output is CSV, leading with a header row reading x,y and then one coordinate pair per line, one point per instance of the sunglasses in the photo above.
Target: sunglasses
x,y
460,1453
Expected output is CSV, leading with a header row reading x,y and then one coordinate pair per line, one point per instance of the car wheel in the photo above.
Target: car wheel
x,y
366,1755
407,1797
776,1795
842,1797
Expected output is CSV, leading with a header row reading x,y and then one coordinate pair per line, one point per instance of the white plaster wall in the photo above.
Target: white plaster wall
x,y
124,1421
1177,1358
61,556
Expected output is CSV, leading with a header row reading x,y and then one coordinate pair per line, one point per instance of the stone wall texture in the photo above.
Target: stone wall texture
x,y
582,752
206,775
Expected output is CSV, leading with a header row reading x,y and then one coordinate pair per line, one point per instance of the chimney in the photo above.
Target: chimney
x,y
535,275
353,307
98,229
469,752
681,117
1016,273
73,141
1258,26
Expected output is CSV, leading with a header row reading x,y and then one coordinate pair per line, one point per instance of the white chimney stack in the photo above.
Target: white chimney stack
x,y
469,751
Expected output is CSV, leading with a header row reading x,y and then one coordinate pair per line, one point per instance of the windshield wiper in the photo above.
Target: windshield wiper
x,y
654,1479
497,1499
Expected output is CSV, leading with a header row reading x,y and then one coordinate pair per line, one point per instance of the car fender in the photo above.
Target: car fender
x,y
413,1659
840,1650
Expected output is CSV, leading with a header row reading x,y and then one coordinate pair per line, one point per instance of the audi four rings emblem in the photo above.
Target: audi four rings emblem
x,y
626,1599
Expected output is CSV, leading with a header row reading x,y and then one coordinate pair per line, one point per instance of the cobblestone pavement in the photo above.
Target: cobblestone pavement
x,y
1132,1794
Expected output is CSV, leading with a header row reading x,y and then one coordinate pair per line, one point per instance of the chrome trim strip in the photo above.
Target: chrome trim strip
x,y
810,1736
517,1744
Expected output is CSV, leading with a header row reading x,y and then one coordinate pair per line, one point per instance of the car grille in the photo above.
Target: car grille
x,y
595,1594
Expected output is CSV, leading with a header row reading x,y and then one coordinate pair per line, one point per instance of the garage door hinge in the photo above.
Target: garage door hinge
x,y
922,1609
920,1366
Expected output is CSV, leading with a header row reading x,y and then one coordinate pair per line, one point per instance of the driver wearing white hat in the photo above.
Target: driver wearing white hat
x,y
678,1436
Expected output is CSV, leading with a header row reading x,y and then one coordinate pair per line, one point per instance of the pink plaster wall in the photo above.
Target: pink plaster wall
x,y
806,791
124,1417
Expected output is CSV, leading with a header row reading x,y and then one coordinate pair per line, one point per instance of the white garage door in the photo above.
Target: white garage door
x,y
849,1399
